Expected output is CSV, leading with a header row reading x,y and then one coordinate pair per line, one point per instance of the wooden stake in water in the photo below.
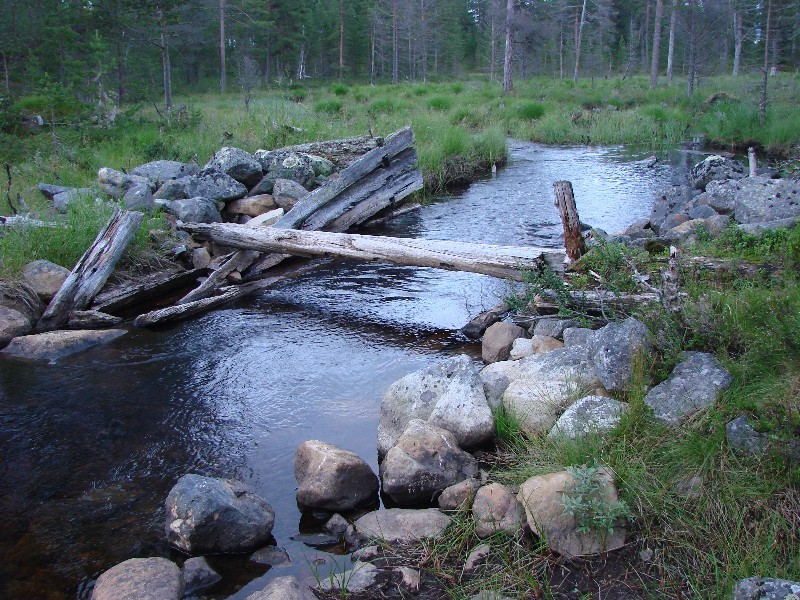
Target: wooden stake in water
x,y
565,203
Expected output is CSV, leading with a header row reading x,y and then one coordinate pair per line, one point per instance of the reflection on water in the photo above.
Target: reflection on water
x,y
90,446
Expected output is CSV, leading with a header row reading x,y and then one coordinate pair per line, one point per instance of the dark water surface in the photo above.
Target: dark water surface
x,y
90,446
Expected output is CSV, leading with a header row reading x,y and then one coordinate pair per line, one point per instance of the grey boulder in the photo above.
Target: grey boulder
x,y
140,579
138,197
497,510
116,183
237,163
425,461
614,348
744,438
295,166
402,525
589,415
209,515
766,588
207,183
715,168
198,575
694,384
332,479
459,496
553,327
283,588
12,324
54,345
448,395
161,171
498,341
63,200
45,277
194,210
361,577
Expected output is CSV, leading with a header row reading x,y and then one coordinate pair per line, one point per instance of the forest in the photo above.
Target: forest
x,y
58,53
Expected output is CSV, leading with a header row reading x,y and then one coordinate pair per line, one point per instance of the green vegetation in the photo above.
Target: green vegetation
x,y
585,501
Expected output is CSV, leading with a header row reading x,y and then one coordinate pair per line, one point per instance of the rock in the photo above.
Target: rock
x,y
317,164
497,510
488,595
237,163
366,554
138,197
759,228
161,171
715,168
578,336
284,588
553,327
316,540
332,479
92,319
637,226
477,326
497,341
401,525
358,579
54,345
541,496
194,210
673,220
49,191
140,579
197,575
12,324
273,556
200,258
208,515
685,232
538,344
294,166
478,556
116,183
741,436
613,350
425,461
716,224
410,579
766,588
62,200
695,383
449,395
252,206
212,185
336,525
674,199
288,189
720,196
589,415
690,487
760,199
45,277
322,166
702,212
459,496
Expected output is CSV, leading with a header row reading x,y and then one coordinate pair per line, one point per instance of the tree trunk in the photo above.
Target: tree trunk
x,y
493,53
692,48
5,73
646,36
341,38
165,62
561,50
424,26
578,42
574,243
372,55
656,44
671,52
508,79
223,75
738,36
762,109
496,261
395,48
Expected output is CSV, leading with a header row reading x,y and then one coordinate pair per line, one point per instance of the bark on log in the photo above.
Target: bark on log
x,y
93,269
340,152
21,221
565,203
596,303
477,326
155,286
497,261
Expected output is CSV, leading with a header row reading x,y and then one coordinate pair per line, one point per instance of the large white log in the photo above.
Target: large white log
x,y
497,261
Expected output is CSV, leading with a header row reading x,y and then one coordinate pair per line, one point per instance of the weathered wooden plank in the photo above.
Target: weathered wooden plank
x,y
393,145
238,261
497,261
154,286
93,269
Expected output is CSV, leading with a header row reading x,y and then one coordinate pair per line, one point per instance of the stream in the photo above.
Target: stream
x,y
90,446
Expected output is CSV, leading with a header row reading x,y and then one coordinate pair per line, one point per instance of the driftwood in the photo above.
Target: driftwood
x,y
93,269
497,261
670,279
340,152
477,326
565,203
22,221
155,286
594,303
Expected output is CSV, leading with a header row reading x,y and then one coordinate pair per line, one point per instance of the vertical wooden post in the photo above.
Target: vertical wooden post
x,y
565,203
670,295
753,161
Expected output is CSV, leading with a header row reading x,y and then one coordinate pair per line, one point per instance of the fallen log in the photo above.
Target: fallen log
x,y
93,269
477,326
340,152
593,303
22,221
153,287
497,261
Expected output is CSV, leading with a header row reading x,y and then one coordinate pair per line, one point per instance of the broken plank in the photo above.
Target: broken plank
x,y
93,269
153,287
497,261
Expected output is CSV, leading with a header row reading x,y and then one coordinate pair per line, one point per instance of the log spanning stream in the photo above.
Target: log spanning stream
x,y
90,446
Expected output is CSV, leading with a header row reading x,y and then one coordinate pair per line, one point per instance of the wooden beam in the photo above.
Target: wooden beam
x,y
93,269
497,261
152,287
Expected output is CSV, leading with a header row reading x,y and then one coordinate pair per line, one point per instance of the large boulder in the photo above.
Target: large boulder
x,y
448,395
138,197
287,192
613,350
542,497
284,588
402,525
425,461
715,168
45,277
63,200
497,510
459,495
332,479
237,163
22,298
761,199
669,201
694,384
194,210
161,171
295,166
54,345
49,190
208,183
589,415
538,344
251,206
12,324
553,327
766,588
116,183
498,341
209,515
140,579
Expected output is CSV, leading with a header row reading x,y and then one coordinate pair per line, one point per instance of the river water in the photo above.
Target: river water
x,y
90,446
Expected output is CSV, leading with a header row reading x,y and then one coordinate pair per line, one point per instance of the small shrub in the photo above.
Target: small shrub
x,y
457,88
440,103
530,111
585,501
339,89
421,90
331,106
298,94
384,105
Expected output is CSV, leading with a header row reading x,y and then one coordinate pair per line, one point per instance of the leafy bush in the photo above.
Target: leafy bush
x,y
585,501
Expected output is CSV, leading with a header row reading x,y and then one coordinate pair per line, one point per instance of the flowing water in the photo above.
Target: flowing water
x,y
90,446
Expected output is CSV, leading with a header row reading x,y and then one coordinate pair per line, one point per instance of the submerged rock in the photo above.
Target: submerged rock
x,y
198,575
284,588
140,579
54,345
208,515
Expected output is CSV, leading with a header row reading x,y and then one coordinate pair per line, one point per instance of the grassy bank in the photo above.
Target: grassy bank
x,y
742,517
461,130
